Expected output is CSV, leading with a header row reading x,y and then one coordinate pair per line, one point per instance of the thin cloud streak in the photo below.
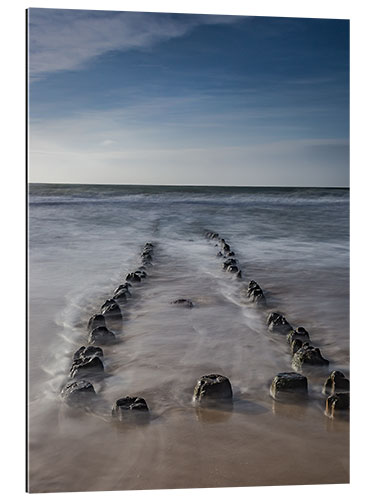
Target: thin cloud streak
x,y
69,39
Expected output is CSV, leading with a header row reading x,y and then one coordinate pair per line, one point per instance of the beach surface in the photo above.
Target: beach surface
x,y
84,239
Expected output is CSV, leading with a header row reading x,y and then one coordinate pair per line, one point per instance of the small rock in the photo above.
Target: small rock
x,y
295,345
121,295
226,248
78,391
308,356
336,382
288,386
299,333
95,321
255,293
141,273
239,274
133,277
277,323
219,254
82,366
232,269
85,352
129,407
337,404
213,387
183,302
229,262
111,309
101,336
123,288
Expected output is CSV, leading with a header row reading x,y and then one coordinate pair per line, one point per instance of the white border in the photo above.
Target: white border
x,y
362,224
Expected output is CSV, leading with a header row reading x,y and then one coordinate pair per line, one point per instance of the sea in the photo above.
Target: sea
x,y
83,240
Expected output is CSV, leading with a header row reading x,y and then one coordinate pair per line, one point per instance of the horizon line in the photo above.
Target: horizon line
x,y
186,185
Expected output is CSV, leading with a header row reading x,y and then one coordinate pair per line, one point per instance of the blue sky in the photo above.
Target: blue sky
x,y
143,98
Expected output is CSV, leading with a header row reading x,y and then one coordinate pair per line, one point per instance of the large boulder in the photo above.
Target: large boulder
x,y
87,351
336,382
288,386
308,356
213,387
84,366
276,322
95,321
101,336
130,407
78,391
299,333
183,302
337,404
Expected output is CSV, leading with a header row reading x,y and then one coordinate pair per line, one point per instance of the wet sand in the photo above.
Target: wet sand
x,y
163,350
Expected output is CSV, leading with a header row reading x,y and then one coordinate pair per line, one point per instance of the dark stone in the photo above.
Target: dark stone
x,y
336,382
299,333
213,387
337,404
78,391
85,365
229,262
239,274
226,248
231,254
129,407
255,293
90,350
146,260
123,288
232,269
288,386
101,336
121,295
308,356
219,254
141,273
212,236
95,321
135,278
295,345
277,323
111,308
183,302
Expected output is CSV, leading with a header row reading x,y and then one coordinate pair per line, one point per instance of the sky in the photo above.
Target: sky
x,y
145,98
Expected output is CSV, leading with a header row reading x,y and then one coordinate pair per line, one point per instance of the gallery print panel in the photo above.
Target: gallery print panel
x,y
188,245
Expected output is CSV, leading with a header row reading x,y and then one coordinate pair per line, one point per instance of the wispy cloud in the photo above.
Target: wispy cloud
x,y
68,39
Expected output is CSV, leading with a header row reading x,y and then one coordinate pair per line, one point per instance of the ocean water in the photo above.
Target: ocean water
x,y
84,239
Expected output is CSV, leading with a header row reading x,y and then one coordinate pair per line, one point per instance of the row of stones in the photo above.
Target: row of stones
x,y
289,385
88,360
306,358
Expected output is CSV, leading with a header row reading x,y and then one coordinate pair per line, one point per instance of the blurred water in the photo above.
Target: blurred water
x,y
82,242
